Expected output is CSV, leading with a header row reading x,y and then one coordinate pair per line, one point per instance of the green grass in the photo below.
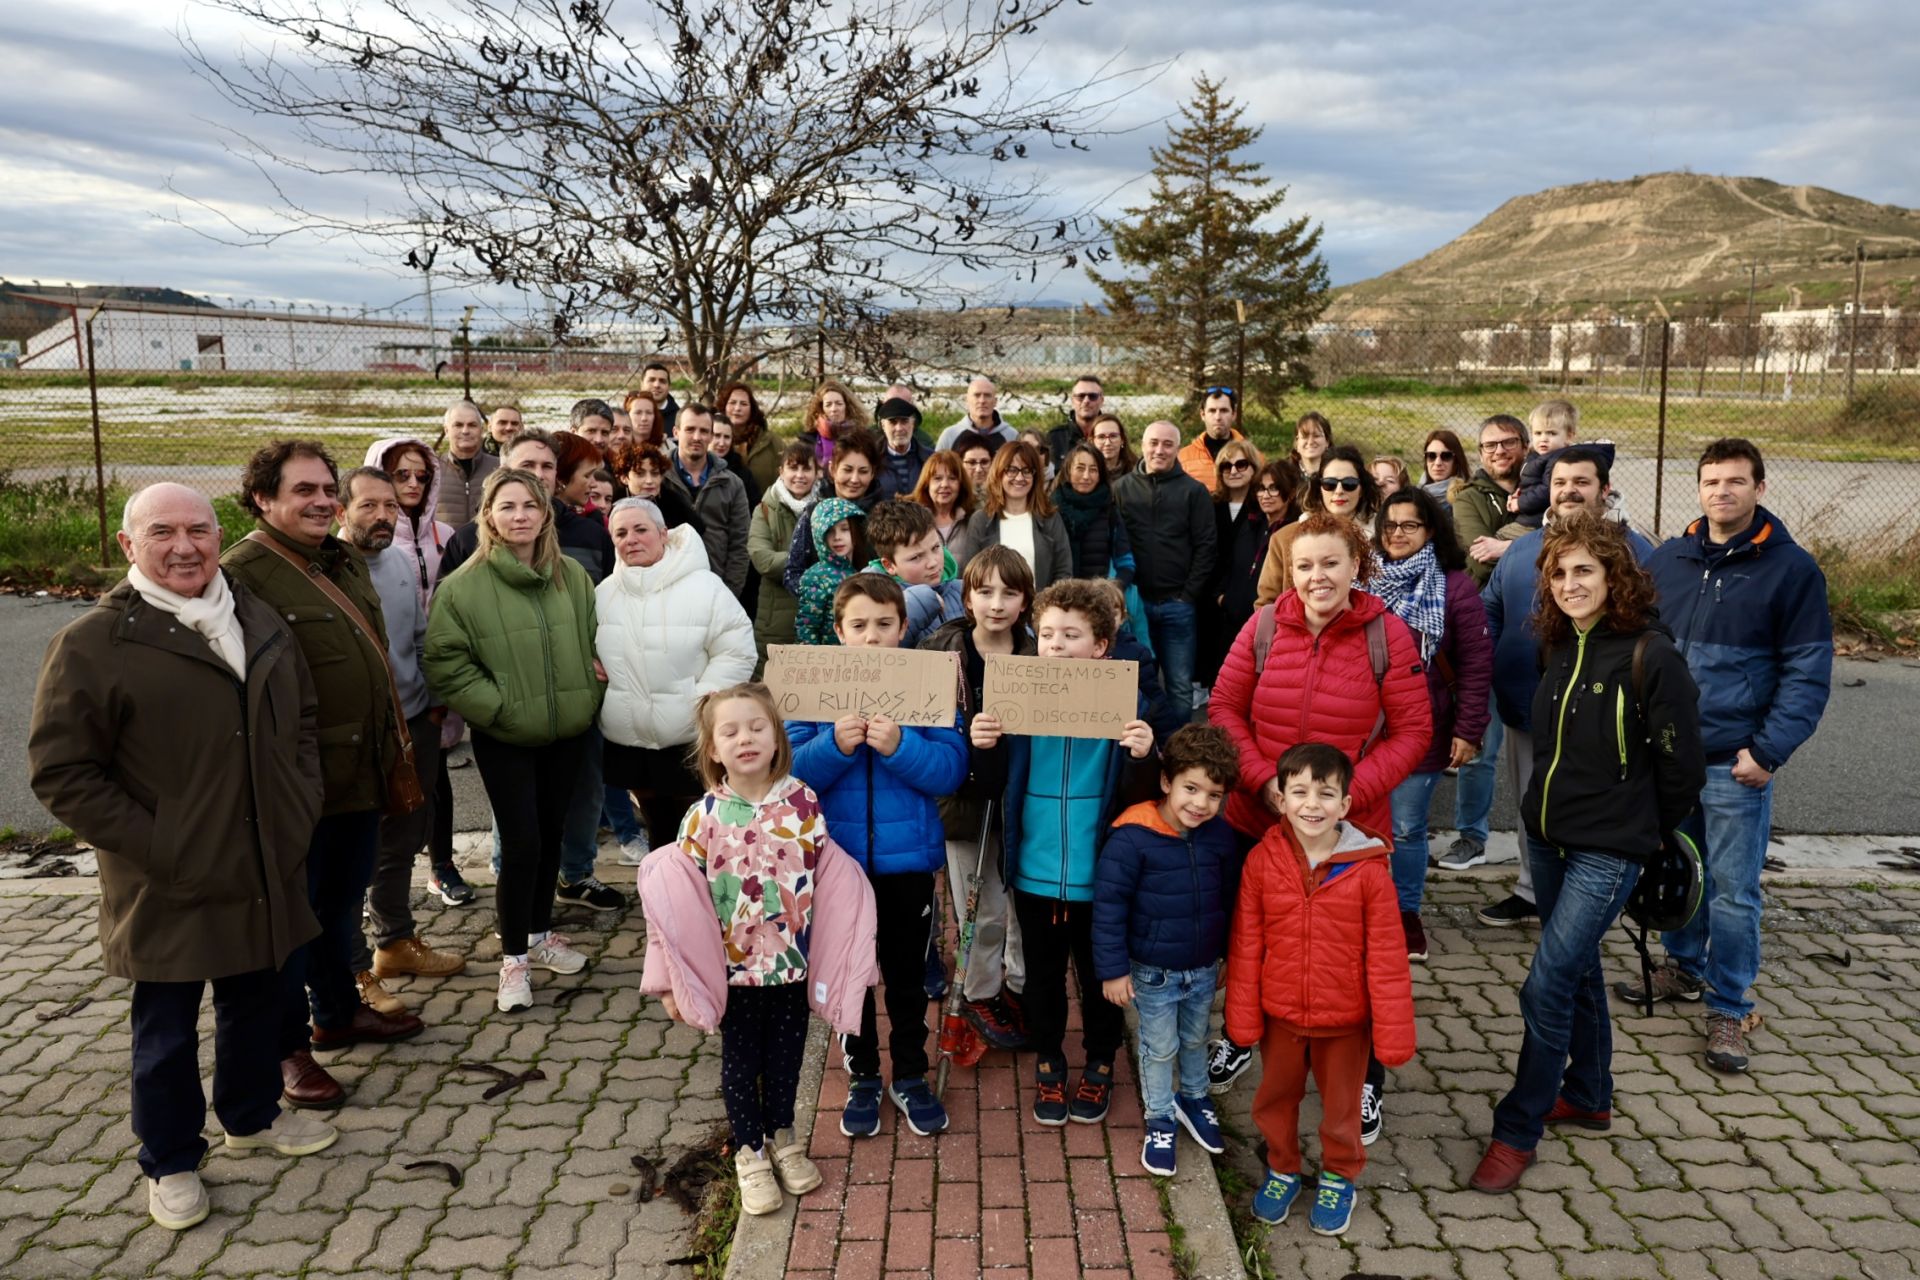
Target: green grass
x,y
1357,386
1872,589
50,530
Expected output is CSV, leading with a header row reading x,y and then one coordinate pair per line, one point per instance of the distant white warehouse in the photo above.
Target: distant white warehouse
x,y
131,336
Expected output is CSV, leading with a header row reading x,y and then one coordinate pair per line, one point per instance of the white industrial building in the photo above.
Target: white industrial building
x,y
133,336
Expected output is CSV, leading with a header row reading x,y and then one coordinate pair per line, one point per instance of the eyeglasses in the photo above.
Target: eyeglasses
x,y
1403,526
1238,464
1023,473
1265,489
1439,455
1329,483
1496,446
411,475
1089,395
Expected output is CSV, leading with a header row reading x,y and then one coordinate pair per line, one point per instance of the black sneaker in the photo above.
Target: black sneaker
x,y
1225,1062
1510,911
1372,1116
1050,1094
1416,935
1095,1094
589,890
986,1017
445,879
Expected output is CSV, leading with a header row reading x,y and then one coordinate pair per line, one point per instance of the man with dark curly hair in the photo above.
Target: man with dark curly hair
x,y
292,489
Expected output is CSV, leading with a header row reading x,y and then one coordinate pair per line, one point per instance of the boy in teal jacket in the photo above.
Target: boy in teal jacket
x,y
1062,797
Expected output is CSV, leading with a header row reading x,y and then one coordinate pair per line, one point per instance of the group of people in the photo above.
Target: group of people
x,y
257,744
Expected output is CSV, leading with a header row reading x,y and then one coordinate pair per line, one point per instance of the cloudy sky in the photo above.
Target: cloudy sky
x,y
1397,124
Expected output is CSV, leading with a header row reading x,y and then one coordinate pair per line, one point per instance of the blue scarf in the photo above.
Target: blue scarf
x,y
1415,591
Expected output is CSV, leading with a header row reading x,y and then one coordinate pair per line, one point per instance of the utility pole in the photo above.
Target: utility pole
x,y
1746,334
1853,330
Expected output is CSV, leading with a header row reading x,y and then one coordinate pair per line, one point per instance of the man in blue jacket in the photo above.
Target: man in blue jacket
x,y
1748,607
1581,482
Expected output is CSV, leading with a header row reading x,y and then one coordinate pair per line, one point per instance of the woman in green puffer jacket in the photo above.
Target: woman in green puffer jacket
x,y
510,647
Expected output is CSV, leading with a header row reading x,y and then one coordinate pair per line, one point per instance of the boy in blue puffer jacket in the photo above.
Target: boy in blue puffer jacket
x,y
1160,930
1061,800
878,784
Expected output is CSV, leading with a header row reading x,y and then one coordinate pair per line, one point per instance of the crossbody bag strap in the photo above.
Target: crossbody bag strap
x,y
339,598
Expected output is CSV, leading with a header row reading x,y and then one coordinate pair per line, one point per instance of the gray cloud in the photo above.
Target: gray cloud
x,y
1396,124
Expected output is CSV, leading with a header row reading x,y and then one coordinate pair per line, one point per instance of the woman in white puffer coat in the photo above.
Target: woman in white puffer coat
x,y
669,631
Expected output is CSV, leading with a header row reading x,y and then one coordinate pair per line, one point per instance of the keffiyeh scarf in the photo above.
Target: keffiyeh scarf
x,y
1415,591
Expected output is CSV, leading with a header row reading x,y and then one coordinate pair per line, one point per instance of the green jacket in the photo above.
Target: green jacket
x,y
358,736
769,534
1479,510
511,649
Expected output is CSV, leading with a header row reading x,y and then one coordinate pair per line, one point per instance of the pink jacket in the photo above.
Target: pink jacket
x,y
685,956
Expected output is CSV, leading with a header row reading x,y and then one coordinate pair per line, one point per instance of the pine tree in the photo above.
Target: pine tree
x,y
1203,253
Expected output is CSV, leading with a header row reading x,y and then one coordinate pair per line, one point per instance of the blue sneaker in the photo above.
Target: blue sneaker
x,y
861,1119
1156,1153
1332,1205
925,1116
1274,1200
1197,1117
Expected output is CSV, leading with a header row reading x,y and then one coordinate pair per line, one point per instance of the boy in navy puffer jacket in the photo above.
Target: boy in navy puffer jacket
x,y
1160,930
878,784
1062,797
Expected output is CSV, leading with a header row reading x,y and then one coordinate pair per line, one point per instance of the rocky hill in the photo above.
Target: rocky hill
x,y
1685,238
21,316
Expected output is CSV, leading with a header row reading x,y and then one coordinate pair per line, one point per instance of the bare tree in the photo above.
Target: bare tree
x,y
753,173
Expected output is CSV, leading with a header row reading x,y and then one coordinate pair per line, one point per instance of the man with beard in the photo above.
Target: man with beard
x,y
369,512
1085,403
1219,424
1580,483
1480,505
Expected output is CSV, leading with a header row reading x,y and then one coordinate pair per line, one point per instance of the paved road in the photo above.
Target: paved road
x,y
1854,778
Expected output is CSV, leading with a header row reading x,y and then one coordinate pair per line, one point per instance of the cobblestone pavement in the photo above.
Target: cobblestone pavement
x,y
540,1164
1805,1168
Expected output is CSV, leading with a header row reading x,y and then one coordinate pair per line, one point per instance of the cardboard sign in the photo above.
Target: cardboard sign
x,y
825,682
1061,697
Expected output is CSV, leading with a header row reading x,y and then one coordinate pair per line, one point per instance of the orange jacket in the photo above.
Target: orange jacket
x,y
1320,950
1197,462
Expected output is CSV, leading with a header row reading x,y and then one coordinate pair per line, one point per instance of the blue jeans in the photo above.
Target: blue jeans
x,y
340,860
1721,946
617,815
1568,1047
1411,801
1173,1005
1175,642
1473,786
580,837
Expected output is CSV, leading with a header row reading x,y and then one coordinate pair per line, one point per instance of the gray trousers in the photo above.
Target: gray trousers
x,y
390,894
1516,748
997,959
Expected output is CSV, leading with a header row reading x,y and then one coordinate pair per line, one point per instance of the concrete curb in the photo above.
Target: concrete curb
x,y
1195,1202
760,1245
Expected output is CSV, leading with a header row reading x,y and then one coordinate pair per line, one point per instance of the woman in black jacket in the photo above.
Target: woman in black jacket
x,y
1618,764
1241,531
1095,534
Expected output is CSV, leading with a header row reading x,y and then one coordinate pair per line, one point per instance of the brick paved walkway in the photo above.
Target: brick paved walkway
x,y
1808,1167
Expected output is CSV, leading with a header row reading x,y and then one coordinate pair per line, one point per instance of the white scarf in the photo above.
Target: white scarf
x,y
210,613
796,505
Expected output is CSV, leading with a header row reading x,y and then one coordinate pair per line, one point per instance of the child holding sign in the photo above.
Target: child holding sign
x,y
879,784
999,601
1062,796
1160,930
1316,975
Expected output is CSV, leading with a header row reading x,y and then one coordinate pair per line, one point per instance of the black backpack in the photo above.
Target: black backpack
x,y
1667,896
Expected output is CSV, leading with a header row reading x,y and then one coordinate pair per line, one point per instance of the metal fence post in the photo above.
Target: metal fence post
x,y
1660,443
466,355
99,463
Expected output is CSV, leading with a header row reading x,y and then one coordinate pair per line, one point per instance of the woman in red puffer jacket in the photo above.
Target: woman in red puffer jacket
x,y
1318,685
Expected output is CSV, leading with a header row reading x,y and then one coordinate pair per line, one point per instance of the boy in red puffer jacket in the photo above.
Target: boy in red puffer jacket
x,y
1316,975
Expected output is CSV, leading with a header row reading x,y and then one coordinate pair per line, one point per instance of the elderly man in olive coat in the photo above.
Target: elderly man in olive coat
x,y
173,730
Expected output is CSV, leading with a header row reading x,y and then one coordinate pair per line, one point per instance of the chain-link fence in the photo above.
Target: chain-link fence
x,y
128,395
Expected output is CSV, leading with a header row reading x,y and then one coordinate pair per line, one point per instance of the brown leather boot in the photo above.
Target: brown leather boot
x,y
412,956
369,1026
375,996
305,1083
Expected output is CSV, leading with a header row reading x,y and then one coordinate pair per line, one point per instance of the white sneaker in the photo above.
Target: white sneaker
x,y
633,853
555,953
294,1133
797,1174
516,986
178,1200
759,1192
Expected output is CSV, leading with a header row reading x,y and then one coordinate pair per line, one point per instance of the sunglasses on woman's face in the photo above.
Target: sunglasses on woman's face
x,y
1439,455
1273,489
1238,464
1329,483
